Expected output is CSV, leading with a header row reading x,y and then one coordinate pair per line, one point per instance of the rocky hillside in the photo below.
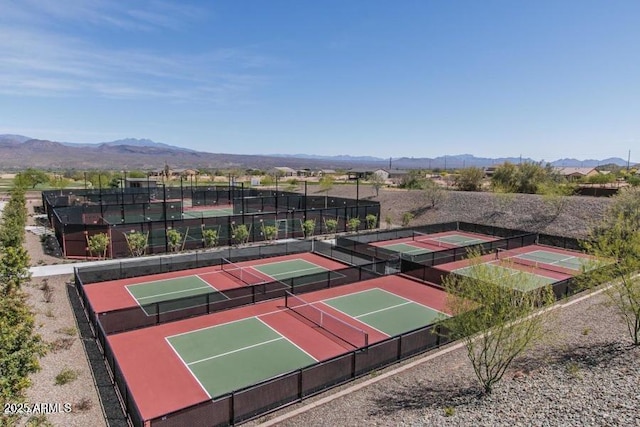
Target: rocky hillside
x,y
572,217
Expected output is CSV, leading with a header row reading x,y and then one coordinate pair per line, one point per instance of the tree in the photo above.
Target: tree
x,y
353,224
331,225
388,221
174,239
240,234
377,182
470,179
615,242
267,180
98,245
496,322
434,193
14,268
30,178
504,178
407,217
210,237
371,220
59,182
137,243
530,177
555,196
270,232
20,346
413,180
309,227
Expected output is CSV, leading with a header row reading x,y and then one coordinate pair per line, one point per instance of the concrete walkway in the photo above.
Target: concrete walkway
x,y
59,269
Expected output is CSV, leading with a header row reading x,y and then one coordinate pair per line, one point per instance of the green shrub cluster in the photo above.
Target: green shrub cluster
x,y
20,345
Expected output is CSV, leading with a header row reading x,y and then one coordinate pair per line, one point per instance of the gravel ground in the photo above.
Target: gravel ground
x,y
587,376
67,339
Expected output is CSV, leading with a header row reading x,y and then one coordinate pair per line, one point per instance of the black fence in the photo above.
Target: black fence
x,y
248,403
560,242
74,225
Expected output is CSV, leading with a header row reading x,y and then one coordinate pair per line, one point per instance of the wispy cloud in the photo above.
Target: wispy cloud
x,y
40,56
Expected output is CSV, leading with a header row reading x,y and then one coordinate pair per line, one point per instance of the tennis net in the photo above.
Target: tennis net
x,y
339,328
241,273
503,255
429,239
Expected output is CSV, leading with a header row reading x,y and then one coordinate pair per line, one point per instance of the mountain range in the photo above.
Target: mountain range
x,y
18,152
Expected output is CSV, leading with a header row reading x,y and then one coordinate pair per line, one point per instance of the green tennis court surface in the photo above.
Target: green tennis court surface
x,y
282,270
167,290
385,311
406,248
449,239
553,258
235,355
523,280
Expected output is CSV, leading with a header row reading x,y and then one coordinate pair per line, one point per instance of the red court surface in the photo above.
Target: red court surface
x,y
559,275
160,382
113,294
434,245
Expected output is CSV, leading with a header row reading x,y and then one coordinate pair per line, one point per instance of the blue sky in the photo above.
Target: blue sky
x,y
541,79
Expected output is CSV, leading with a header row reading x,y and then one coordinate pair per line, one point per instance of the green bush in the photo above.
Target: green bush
x,y
66,376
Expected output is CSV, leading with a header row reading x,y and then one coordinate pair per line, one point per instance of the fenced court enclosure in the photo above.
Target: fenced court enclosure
x,y
76,215
239,332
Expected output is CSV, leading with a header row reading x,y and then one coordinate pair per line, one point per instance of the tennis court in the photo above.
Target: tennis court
x,y
449,240
547,259
207,213
420,243
523,280
385,311
147,294
237,354
282,270
407,248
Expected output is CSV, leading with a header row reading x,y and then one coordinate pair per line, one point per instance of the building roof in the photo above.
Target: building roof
x,y
566,171
284,169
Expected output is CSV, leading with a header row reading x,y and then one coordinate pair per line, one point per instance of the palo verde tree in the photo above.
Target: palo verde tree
x,y
433,192
615,242
470,179
494,316
377,182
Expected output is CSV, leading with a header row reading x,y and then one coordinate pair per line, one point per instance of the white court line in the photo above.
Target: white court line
x,y
236,350
176,292
415,302
286,260
292,343
348,315
382,309
275,276
187,366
